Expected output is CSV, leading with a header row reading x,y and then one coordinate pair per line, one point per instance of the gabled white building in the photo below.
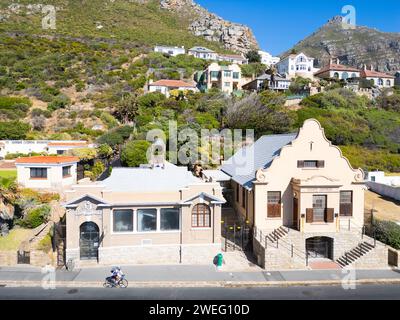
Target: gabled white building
x,y
165,86
268,59
40,146
232,58
203,53
172,51
380,79
297,65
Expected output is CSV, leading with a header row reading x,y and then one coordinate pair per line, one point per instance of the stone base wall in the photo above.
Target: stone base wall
x,y
165,254
8,258
280,258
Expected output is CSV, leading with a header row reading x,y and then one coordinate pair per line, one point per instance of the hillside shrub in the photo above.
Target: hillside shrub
x,y
388,232
37,216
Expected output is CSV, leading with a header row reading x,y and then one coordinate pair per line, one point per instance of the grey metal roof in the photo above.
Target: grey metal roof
x,y
243,165
268,77
201,49
171,178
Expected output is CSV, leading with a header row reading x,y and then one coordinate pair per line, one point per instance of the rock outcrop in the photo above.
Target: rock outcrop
x,y
356,46
233,36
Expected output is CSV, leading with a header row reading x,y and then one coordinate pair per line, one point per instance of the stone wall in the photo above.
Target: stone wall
x,y
8,258
280,257
163,254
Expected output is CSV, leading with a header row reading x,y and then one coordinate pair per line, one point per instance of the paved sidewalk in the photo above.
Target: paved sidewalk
x,y
192,274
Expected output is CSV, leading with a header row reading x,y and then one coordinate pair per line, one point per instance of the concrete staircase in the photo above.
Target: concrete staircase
x,y
277,234
354,254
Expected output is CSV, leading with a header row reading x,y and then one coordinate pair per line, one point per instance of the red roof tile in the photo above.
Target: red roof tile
x,y
336,67
375,74
172,84
47,159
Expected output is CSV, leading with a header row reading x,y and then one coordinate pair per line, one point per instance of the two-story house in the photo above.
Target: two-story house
x,y
203,53
303,200
266,81
225,78
296,65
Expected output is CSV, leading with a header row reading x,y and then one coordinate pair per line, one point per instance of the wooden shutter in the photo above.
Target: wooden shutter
x,y
274,210
329,215
300,164
309,215
320,164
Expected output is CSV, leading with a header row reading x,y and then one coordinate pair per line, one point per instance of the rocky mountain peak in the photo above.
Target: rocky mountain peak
x,y
233,36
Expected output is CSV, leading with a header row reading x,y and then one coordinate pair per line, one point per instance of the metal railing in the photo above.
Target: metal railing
x,y
280,243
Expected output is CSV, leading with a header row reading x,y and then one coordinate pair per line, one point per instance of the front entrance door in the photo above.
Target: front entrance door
x,y
89,241
319,247
295,213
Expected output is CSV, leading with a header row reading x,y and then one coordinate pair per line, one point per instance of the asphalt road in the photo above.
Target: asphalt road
x,y
362,292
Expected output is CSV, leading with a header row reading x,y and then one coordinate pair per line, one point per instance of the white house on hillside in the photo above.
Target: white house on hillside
x,y
172,51
203,53
268,59
225,78
380,79
47,172
335,70
40,146
232,58
165,86
297,65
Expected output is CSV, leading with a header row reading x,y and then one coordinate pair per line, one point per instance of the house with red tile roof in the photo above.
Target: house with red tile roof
x,y
165,86
380,79
335,70
47,172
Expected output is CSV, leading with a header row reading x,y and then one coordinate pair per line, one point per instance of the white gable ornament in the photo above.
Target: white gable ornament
x,y
87,208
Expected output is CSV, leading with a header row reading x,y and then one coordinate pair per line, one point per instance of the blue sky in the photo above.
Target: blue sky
x,y
278,25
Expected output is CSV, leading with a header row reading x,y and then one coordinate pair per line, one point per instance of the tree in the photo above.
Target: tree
x,y
127,109
135,153
264,113
104,151
253,56
13,130
38,122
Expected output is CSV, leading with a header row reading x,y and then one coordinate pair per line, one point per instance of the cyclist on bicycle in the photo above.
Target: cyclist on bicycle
x,y
116,274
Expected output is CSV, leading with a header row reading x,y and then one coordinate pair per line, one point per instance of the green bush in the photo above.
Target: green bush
x,y
37,216
45,244
134,153
59,102
13,130
388,232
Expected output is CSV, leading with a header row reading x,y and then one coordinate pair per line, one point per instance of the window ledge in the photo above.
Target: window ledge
x,y
37,178
65,177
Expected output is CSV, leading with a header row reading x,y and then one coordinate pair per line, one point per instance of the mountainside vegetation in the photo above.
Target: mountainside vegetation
x,y
355,47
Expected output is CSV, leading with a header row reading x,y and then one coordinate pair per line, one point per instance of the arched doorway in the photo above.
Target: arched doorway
x,y
319,248
89,241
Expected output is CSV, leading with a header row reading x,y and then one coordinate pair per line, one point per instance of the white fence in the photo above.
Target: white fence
x,y
385,190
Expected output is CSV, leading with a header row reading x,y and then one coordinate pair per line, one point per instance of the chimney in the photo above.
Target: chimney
x,y
365,67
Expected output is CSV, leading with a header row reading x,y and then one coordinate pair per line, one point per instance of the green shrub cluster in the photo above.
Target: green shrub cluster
x,y
37,216
388,232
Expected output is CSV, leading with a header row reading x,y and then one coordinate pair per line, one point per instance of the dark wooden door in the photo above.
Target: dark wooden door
x,y
295,212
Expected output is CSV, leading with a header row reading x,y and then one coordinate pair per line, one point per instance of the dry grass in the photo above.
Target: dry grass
x,y
386,208
14,239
